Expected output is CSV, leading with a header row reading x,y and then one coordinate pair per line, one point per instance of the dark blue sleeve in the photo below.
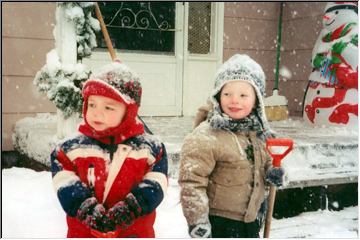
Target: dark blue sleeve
x,y
71,197
162,164
150,193
70,190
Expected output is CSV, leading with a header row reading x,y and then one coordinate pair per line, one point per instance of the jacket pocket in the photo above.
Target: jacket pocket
x,y
230,190
232,176
229,198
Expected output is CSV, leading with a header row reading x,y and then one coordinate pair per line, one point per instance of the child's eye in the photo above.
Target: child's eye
x,y
109,108
91,105
243,95
226,94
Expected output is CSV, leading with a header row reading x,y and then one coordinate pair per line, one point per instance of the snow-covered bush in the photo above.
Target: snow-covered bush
x,y
60,81
62,84
85,25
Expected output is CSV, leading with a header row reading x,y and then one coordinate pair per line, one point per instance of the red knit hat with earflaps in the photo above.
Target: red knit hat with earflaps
x,y
118,82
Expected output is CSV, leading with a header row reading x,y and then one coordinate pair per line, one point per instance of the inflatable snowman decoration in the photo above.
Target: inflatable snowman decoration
x,y
331,97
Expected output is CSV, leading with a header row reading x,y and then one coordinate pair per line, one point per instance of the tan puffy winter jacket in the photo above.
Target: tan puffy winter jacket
x,y
216,177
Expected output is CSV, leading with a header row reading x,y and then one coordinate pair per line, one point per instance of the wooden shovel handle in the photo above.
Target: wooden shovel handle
x,y
105,32
269,213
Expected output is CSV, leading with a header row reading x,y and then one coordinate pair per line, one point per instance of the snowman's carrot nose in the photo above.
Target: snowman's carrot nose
x,y
325,17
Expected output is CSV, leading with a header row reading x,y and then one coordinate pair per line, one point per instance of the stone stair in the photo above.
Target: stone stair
x,y
171,131
321,156
321,171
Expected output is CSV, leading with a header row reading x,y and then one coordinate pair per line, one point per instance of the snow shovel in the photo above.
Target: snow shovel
x,y
98,234
111,49
105,32
277,157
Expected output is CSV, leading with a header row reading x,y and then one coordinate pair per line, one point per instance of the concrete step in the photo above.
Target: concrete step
x,y
321,156
172,131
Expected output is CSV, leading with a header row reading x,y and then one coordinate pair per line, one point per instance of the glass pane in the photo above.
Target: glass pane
x,y
199,27
142,26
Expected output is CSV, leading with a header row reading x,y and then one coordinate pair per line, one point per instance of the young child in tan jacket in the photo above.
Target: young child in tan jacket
x,y
224,167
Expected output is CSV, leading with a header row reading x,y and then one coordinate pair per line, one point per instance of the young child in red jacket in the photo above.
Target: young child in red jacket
x,y
112,176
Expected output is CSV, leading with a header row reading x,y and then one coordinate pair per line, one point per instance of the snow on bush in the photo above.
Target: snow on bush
x,y
61,82
85,25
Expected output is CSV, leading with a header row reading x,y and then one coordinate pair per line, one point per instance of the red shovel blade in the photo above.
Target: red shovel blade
x,y
279,142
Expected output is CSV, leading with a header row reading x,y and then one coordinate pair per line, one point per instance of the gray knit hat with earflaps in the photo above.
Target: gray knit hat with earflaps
x,y
240,67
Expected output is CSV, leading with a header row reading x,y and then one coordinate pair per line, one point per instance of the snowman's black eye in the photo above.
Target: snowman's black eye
x,y
336,12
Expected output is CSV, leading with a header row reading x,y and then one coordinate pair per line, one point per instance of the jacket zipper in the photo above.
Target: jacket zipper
x,y
91,176
241,151
112,148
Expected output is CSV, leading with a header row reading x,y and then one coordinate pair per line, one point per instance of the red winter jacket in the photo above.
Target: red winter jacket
x,y
83,167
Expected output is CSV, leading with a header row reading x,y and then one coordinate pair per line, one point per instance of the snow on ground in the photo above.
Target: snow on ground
x,y
320,156
30,209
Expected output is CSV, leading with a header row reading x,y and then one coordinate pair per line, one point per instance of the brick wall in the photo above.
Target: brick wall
x,y
302,23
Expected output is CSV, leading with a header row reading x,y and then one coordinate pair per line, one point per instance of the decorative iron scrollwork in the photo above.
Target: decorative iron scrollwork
x,y
144,19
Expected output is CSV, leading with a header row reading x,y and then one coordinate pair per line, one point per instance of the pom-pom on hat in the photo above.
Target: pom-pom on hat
x,y
116,81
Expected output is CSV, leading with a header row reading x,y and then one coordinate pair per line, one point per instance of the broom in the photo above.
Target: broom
x,y
276,105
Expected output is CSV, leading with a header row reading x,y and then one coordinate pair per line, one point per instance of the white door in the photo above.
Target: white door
x,y
152,39
148,37
203,38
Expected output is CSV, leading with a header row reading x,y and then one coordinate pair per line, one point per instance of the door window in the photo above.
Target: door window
x,y
199,28
139,26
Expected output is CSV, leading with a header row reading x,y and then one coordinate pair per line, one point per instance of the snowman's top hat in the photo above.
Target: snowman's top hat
x,y
332,6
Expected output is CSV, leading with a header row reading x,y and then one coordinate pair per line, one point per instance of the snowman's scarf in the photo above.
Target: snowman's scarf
x,y
338,33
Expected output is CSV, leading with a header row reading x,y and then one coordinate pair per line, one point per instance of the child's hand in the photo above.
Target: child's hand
x,y
275,175
125,212
202,230
93,214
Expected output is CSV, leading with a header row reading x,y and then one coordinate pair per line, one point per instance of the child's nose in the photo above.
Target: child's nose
x,y
234,99
98,113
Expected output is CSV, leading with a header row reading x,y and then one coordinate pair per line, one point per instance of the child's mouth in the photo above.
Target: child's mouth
x,y
234,109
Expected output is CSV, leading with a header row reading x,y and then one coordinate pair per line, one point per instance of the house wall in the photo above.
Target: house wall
x,y
252,28
302,23
26,39
249,28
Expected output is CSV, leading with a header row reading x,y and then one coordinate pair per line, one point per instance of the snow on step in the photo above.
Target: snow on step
x,y
321,156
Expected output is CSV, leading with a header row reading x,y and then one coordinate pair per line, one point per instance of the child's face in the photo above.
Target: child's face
x,y
103,112
237,99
